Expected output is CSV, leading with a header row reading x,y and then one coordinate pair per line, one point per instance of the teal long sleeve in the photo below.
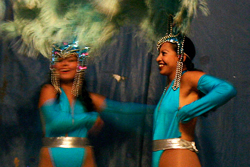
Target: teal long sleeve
x,y
125,116
127,107
217,92
61,122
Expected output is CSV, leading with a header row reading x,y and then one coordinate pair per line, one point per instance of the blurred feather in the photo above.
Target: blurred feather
x,y
40,23
2,9
187,11
108,7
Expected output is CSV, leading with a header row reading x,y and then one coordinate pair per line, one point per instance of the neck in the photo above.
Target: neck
x,y
66,85
67,88
172,76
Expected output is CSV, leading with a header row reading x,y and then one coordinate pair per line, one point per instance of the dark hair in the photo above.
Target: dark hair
x,y
85,98
189,49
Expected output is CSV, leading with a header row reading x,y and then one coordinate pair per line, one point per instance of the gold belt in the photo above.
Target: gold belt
x,y
174,143
66,142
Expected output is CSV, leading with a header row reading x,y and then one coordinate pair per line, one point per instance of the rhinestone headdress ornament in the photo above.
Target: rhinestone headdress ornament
x,y
63,51
174,36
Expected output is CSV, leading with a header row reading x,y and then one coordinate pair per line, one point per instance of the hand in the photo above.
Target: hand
x,y
97,127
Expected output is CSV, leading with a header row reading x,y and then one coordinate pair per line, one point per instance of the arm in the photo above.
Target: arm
x,y
58,121
61,122
121,115
126,107
103,104
217,92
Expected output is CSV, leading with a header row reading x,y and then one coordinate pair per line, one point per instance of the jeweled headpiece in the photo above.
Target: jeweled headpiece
x,y
67,49
63,51
175,37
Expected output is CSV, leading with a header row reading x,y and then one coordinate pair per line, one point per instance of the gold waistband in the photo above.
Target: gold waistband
x,y
66,142
174,143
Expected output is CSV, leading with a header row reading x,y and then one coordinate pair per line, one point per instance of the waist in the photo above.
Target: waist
x,y
174,143
66,142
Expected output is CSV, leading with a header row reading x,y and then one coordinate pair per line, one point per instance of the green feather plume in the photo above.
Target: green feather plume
x,y
40,23
2,9
187,11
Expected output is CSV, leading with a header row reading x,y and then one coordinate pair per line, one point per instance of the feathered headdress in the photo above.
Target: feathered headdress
x,y
2,9
40,23
66,49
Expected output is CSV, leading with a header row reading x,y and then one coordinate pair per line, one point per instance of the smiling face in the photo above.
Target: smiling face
x,y
66,67
167,60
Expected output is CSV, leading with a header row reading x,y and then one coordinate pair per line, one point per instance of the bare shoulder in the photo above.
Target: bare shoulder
x,y
47,92
192,78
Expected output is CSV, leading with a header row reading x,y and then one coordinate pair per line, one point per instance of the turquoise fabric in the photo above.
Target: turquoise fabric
x,y
67,157
217,91
59,120
166,122
167,115
133,114
112,106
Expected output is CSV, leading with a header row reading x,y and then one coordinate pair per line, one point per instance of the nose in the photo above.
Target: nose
x,y
64,62
158,58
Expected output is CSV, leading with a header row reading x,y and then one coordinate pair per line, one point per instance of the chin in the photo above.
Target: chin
x,y
67,79
163,73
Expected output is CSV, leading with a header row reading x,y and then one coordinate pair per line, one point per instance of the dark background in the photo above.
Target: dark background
x,y
222,41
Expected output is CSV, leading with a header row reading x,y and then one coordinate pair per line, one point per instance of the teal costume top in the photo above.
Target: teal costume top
x,y
60,119
167,115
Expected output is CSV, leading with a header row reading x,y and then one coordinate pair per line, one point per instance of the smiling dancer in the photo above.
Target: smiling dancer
x,y
189,93
66,108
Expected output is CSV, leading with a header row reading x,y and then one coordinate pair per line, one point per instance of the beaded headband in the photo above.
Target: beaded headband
x,y
67,49
174,36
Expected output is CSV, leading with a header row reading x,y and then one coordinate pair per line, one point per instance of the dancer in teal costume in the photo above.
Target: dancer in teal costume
x,y
67,111
58,117
167,115
181,102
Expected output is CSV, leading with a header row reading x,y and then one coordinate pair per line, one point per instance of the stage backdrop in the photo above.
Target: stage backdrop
x,y
222,40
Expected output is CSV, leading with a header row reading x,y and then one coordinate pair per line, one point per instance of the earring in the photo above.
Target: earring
x,y
55,81
77,84
178,74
